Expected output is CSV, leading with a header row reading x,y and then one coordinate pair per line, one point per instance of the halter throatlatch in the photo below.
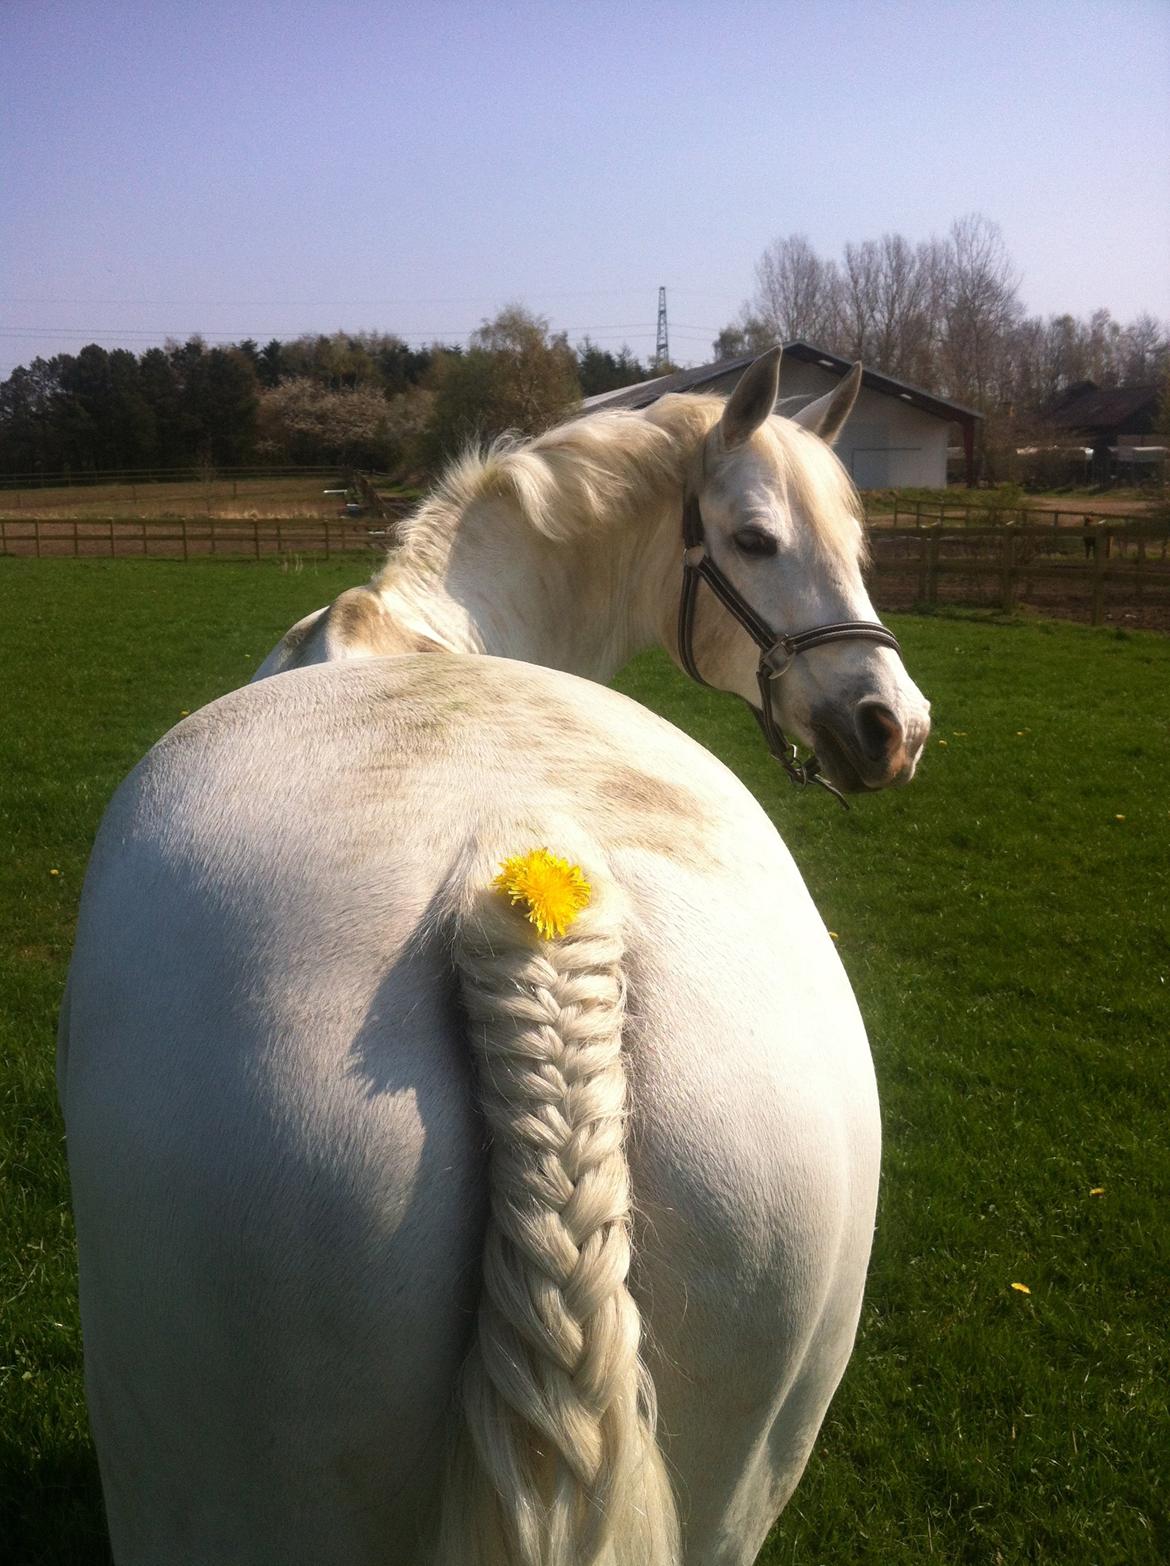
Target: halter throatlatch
x,y
776,651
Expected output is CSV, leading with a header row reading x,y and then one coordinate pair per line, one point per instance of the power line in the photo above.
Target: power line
x,y
428,335
380,301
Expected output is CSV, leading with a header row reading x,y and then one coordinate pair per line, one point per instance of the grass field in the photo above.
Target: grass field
x,y
1004,922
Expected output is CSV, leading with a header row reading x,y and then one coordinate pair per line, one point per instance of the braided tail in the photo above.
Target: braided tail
x,y
557,1463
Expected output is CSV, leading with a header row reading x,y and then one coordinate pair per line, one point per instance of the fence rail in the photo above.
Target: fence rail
x,y
191,473
187,538
919,513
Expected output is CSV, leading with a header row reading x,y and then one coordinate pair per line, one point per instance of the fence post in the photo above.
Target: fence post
x,y
1008,571
256,536
327,538
76,549
112,551
37,536
932,542
184,527
1100,545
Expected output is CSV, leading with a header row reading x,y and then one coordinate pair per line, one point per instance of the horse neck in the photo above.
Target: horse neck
x,y
585,605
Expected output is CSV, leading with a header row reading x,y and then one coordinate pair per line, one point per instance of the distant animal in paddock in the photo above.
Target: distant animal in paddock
x,y
410,1232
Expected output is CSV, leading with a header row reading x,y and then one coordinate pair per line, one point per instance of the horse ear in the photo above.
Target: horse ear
x,y
752,400
826,416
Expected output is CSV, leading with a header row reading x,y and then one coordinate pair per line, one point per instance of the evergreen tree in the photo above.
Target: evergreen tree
x,y
600,371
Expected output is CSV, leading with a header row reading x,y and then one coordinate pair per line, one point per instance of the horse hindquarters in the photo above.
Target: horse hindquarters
x,y
279,1171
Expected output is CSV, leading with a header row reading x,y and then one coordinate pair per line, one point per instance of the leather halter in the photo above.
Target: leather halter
x,y
776,650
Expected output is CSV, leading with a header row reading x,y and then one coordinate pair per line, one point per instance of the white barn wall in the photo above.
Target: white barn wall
x,y
886,442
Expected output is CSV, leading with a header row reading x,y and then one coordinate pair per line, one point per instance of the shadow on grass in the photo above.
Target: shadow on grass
x,y
51,1509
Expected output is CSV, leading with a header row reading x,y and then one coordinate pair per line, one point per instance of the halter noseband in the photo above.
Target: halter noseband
x,y
776,652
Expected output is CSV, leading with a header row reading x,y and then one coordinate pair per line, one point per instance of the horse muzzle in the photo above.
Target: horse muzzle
x,y
868,746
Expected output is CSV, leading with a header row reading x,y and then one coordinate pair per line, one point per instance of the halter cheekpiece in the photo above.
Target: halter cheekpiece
x,y
776,651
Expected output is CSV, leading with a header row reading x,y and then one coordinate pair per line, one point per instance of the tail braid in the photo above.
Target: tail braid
x,y
564,1468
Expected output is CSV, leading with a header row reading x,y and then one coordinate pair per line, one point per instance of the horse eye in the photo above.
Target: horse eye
x,y
754,541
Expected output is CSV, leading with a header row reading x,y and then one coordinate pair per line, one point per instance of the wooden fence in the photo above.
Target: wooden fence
x,y
1122,564
192,473
190,537
955,513
1119,565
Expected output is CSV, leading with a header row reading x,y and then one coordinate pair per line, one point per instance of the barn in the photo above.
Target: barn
x,y
896,436
1117,425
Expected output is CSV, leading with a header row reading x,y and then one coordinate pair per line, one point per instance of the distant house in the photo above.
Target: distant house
x,y
896,435
1114,422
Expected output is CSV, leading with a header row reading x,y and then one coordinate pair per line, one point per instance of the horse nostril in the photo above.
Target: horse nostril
x,y
878,730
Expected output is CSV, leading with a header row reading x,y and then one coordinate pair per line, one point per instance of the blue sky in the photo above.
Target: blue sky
x,y
260,169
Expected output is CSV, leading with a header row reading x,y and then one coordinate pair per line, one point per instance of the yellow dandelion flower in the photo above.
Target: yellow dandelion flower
x,y
554,890
54,872
1098,1190
942,742
1119,818
184,712
1021,1288
833,936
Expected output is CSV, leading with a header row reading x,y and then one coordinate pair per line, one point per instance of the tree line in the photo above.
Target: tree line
x,y
944,314
366,399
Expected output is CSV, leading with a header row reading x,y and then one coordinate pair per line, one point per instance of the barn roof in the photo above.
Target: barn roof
x,y
708,377
1104,409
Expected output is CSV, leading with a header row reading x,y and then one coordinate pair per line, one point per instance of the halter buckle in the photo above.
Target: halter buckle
x,y
777,659
694,556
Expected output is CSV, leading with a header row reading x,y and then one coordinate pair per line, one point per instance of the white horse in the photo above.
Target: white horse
x,y
409,1235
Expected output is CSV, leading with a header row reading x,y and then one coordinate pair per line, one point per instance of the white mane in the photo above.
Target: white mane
x,y
608,469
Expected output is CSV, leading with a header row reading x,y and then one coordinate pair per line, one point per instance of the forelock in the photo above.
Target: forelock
x,y
809,476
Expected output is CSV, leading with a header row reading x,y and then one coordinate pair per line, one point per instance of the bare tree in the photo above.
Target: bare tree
x,y
858,300
796,293
1145,349
981,306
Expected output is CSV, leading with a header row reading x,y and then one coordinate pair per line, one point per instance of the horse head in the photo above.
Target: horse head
x,y
773,525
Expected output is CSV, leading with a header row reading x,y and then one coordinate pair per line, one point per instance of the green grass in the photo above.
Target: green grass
x,y
1007,937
